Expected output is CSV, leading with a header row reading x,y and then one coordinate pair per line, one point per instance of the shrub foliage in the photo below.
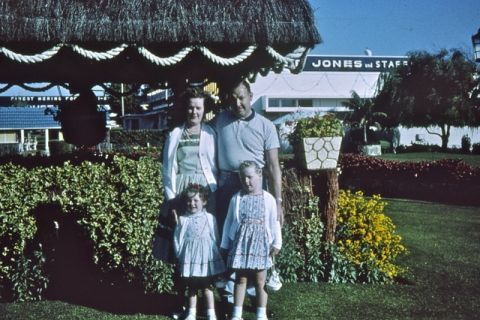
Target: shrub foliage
x,y
366,246
115,201
366,237
425,180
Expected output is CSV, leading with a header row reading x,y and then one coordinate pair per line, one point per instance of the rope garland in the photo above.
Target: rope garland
x,y
227,61
110,54
168,61
291,61
277,56
40,57
40,89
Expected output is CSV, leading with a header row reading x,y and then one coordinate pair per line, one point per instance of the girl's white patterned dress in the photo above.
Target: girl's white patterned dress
x,y
250,249
196,246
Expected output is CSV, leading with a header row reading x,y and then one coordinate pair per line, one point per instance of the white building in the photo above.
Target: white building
x,y
326,82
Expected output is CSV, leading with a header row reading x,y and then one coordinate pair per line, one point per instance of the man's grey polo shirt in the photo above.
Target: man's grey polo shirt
x,y
243,139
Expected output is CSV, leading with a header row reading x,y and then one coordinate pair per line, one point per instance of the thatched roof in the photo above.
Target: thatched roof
x,y
261,22
150,40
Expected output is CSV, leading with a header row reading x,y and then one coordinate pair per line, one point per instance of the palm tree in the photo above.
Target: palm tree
x,y
363,114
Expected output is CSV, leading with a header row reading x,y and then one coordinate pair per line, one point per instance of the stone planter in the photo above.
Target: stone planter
x,y
321,153
372,149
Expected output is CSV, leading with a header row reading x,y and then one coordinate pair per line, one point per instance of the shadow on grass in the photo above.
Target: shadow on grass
x,y
75,279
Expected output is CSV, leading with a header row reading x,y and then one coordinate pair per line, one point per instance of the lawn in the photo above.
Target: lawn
x,y
472,159
443,281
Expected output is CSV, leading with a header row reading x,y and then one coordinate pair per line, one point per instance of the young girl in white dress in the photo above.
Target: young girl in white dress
x,y
197,251
251,236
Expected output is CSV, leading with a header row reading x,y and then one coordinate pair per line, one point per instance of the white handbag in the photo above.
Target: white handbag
x,y
274,282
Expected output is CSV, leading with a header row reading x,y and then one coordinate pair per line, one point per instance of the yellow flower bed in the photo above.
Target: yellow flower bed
x,y
366,236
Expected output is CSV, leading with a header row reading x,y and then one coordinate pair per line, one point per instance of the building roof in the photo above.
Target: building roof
x,y
155,41
316,85
328,77
15,118
266,22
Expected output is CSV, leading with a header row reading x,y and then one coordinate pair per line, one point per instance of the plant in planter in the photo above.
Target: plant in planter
x,y
364,116
316,141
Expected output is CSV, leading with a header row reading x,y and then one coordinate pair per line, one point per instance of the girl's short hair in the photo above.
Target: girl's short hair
x,y
195,188
250,164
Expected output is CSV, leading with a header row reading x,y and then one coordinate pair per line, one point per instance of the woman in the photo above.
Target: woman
x,y
189,151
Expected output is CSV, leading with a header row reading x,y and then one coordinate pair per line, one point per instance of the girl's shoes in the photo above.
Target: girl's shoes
x,y
190,317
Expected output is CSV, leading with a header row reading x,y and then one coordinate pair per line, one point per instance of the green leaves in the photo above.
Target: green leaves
x,y
316,126
116,203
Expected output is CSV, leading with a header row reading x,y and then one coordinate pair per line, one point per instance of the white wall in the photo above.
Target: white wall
x,y
407,136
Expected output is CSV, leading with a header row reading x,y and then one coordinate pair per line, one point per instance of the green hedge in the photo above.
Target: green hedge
x,y
116,203
366,246
139,138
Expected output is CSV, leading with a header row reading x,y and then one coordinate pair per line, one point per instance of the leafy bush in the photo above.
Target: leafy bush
x,y
476,148
301,258
137,138
316,126
366,237
425,180
116,203
466,144
60,147
366,245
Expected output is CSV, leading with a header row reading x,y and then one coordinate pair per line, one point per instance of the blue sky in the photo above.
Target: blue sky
x,y
393,28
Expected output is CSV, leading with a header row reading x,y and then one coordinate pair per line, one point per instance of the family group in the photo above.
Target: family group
x,y
216,175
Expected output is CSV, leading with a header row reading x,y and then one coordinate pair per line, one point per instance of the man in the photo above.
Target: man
x,y
243,134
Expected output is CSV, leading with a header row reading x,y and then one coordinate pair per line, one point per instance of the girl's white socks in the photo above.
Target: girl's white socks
x,y
211,314
261,313
237,312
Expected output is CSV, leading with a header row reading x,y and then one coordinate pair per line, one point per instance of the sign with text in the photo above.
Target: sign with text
x,y
41,100
352,63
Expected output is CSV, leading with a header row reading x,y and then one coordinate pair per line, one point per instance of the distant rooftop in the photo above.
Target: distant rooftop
x,y
26,118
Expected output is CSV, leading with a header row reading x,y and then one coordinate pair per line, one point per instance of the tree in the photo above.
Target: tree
x,y
363,114
432,90
130,102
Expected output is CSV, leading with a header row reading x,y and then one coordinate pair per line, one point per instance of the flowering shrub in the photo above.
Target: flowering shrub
x,y
425,180
366,237
366,244
444,169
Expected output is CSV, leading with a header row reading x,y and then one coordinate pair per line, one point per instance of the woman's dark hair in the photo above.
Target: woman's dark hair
x,y
179,111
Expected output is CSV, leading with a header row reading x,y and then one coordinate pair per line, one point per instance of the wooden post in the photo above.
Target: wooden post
x,y
328,190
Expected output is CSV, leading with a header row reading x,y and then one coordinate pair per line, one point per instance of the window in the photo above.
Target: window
x,y
289,103
273,103
8,137
305,103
